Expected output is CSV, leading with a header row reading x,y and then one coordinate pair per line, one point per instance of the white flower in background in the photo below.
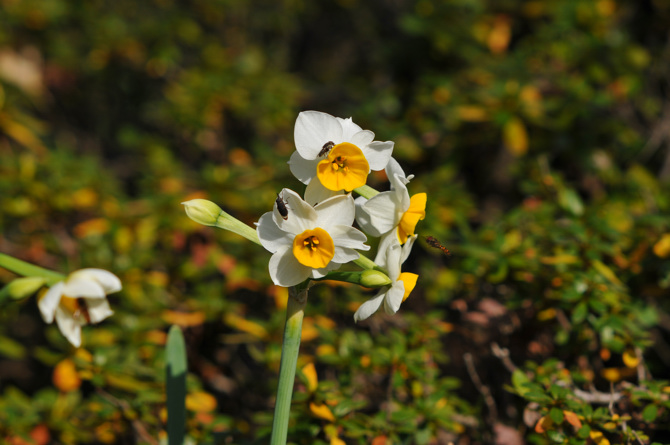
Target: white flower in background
x,y
334,154
390,257
392,210
80,299
308,242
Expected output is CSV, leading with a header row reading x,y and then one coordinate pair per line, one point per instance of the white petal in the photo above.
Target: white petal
x,y
348,236
110,283
316,192
345,255
393,168
370,307
301,216
285,270
362,138
349,129
394,297
98,310
78,285
312,130
271,236
69,326
393,263
384,212
363,217
388,255
378,154
303,169
320,273
338,210
407,248
49,302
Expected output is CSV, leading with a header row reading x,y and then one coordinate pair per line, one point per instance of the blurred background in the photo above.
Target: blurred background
x,y
539,129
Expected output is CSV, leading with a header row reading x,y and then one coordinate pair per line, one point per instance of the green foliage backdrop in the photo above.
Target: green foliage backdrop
x,y
539,130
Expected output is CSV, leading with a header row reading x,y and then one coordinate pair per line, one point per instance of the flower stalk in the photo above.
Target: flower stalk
x,y
29,270
295,312
366,191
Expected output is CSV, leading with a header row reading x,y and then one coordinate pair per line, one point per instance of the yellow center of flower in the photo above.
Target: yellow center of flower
x,y
70,304
410,281
415,213
345,168
314,248
76,306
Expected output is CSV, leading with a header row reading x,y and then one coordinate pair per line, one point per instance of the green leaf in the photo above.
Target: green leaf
x,y
520,380
650,413
176,386
556,415
569,200
11,348
580,312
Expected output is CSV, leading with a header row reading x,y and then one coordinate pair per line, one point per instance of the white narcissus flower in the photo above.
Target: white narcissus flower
x,y
390,257
308,242
80,299
392,210
334,154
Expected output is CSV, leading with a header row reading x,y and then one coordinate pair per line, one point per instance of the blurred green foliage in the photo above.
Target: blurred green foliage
x,y
539,130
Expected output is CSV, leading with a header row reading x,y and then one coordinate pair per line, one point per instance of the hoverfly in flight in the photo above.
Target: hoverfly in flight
x,y
434,242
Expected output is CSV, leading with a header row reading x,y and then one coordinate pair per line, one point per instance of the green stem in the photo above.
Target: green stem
x,y
295,312
227,222
29,270
366,191
366,263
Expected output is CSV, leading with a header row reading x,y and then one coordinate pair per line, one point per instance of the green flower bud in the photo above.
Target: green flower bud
x,y
207,213
374,278
202,211
22,287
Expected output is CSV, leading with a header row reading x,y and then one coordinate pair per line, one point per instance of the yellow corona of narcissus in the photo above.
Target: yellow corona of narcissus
x,y
334,155
308,242
392,210
390,256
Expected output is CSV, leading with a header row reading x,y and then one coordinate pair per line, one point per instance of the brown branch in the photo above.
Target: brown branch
x,y
503,355
138,426
483,389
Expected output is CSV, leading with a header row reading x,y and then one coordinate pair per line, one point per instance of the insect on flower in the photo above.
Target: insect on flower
x,y
281,206
82,310
326,148
434,242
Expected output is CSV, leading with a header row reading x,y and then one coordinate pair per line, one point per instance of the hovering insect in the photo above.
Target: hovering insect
x,y
281,206
326,148
434,242
82,310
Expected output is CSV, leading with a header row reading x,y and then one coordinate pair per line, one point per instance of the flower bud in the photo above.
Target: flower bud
x,y
374,278
202,211
22,287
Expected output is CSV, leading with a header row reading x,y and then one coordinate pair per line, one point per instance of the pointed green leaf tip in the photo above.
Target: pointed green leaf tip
x,y
176,386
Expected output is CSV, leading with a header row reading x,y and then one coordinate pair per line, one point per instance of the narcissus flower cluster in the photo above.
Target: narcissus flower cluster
x,y
311,236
